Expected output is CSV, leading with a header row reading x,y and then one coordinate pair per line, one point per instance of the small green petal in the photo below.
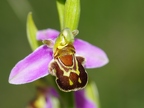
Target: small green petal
x,y
31,32
72,14
92,93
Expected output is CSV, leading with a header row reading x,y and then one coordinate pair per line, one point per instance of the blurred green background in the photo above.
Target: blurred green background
x,y
116,26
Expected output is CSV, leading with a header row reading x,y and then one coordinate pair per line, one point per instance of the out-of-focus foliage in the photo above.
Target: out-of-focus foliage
x,y
115,26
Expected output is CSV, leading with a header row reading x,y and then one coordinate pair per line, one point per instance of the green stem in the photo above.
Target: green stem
x,y
67,99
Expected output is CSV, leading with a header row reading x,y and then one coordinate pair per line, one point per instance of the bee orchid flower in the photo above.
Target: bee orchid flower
x,y
46,97
60,50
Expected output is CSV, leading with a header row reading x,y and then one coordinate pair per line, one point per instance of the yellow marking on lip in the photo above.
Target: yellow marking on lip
x,y
70,82
70,68
79,80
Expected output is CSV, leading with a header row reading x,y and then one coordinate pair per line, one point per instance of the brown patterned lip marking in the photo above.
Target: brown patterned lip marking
x,y
74,82
67,60
69,78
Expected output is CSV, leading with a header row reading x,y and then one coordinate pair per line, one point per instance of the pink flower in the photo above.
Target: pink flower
x,y
35,65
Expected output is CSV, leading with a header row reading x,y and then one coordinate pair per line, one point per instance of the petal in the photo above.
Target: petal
x,y
52,98
81,101
94,56
44,98
53,92
48,34
32,67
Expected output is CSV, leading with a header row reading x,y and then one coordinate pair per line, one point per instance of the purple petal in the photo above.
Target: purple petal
x,y
46,97
32,67
48,34
49,102
81,101
53,92
94,56
52,97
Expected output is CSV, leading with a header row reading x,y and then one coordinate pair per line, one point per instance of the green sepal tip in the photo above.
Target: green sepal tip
x,y
72,14
92,93
60,8
31,32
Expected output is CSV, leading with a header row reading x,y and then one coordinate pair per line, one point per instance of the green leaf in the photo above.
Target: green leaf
x,y
31,32
92,93
72,14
